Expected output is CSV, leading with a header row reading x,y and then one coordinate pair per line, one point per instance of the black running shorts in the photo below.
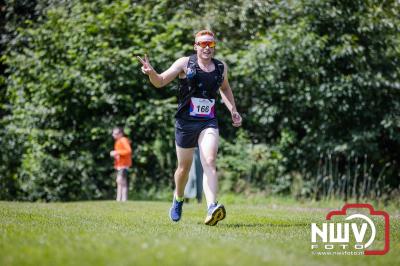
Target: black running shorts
x,y
187,132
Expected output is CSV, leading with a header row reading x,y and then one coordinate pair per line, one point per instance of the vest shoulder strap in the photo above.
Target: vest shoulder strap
x,y
192,60
220,68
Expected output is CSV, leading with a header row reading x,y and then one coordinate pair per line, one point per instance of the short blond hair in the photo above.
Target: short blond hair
x,y
204,32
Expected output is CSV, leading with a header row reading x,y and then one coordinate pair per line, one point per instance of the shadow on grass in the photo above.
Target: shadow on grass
x,y
244,225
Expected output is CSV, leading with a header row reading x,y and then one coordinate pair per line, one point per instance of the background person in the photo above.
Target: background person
x,y
122,154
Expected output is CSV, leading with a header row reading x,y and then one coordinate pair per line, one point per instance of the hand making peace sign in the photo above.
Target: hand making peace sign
x,y
146,66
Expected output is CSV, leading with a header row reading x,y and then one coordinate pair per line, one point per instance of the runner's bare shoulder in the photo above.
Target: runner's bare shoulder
x,y
182,64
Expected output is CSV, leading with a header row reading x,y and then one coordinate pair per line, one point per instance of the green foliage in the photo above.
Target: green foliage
x,y
327,79
247,167
310,78
76,78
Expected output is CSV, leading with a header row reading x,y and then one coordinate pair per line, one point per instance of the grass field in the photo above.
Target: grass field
x,y
140,233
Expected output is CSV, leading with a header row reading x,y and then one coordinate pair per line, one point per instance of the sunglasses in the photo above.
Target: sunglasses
x,y
204,44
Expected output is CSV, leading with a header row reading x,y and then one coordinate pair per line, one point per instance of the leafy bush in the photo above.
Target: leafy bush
x,y
327,81
310,78
246,167
74,79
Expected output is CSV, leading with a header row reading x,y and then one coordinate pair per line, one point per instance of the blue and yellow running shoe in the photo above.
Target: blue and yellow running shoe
x,y
216,212
175,212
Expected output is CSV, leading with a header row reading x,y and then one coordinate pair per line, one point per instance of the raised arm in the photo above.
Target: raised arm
x,y
160,80
229,100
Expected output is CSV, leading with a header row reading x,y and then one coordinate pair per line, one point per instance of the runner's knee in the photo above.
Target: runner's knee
x,y
182,170
210,162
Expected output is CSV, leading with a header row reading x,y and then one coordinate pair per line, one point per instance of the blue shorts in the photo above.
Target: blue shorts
x,y
124,173
187,132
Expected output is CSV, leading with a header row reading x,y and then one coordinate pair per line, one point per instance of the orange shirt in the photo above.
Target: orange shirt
x,y
123,148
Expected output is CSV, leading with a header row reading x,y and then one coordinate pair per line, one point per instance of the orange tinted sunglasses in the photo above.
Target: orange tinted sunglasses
x,y
204,44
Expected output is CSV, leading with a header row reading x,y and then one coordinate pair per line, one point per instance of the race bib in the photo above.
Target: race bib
x,y
200,107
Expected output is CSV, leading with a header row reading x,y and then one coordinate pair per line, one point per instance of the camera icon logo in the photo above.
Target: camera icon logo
x,y
349,232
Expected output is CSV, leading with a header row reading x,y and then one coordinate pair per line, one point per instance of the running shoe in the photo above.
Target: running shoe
x,y
175,212
216,212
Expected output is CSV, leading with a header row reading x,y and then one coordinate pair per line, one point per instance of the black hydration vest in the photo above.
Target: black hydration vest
x,y
194,85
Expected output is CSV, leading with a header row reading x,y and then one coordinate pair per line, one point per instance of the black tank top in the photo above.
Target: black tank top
x,y
206,86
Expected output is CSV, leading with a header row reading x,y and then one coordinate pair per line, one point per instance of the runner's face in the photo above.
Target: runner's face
x,y
207,52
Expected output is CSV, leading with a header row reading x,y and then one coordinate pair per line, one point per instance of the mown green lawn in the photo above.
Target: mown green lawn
x,y
140,233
